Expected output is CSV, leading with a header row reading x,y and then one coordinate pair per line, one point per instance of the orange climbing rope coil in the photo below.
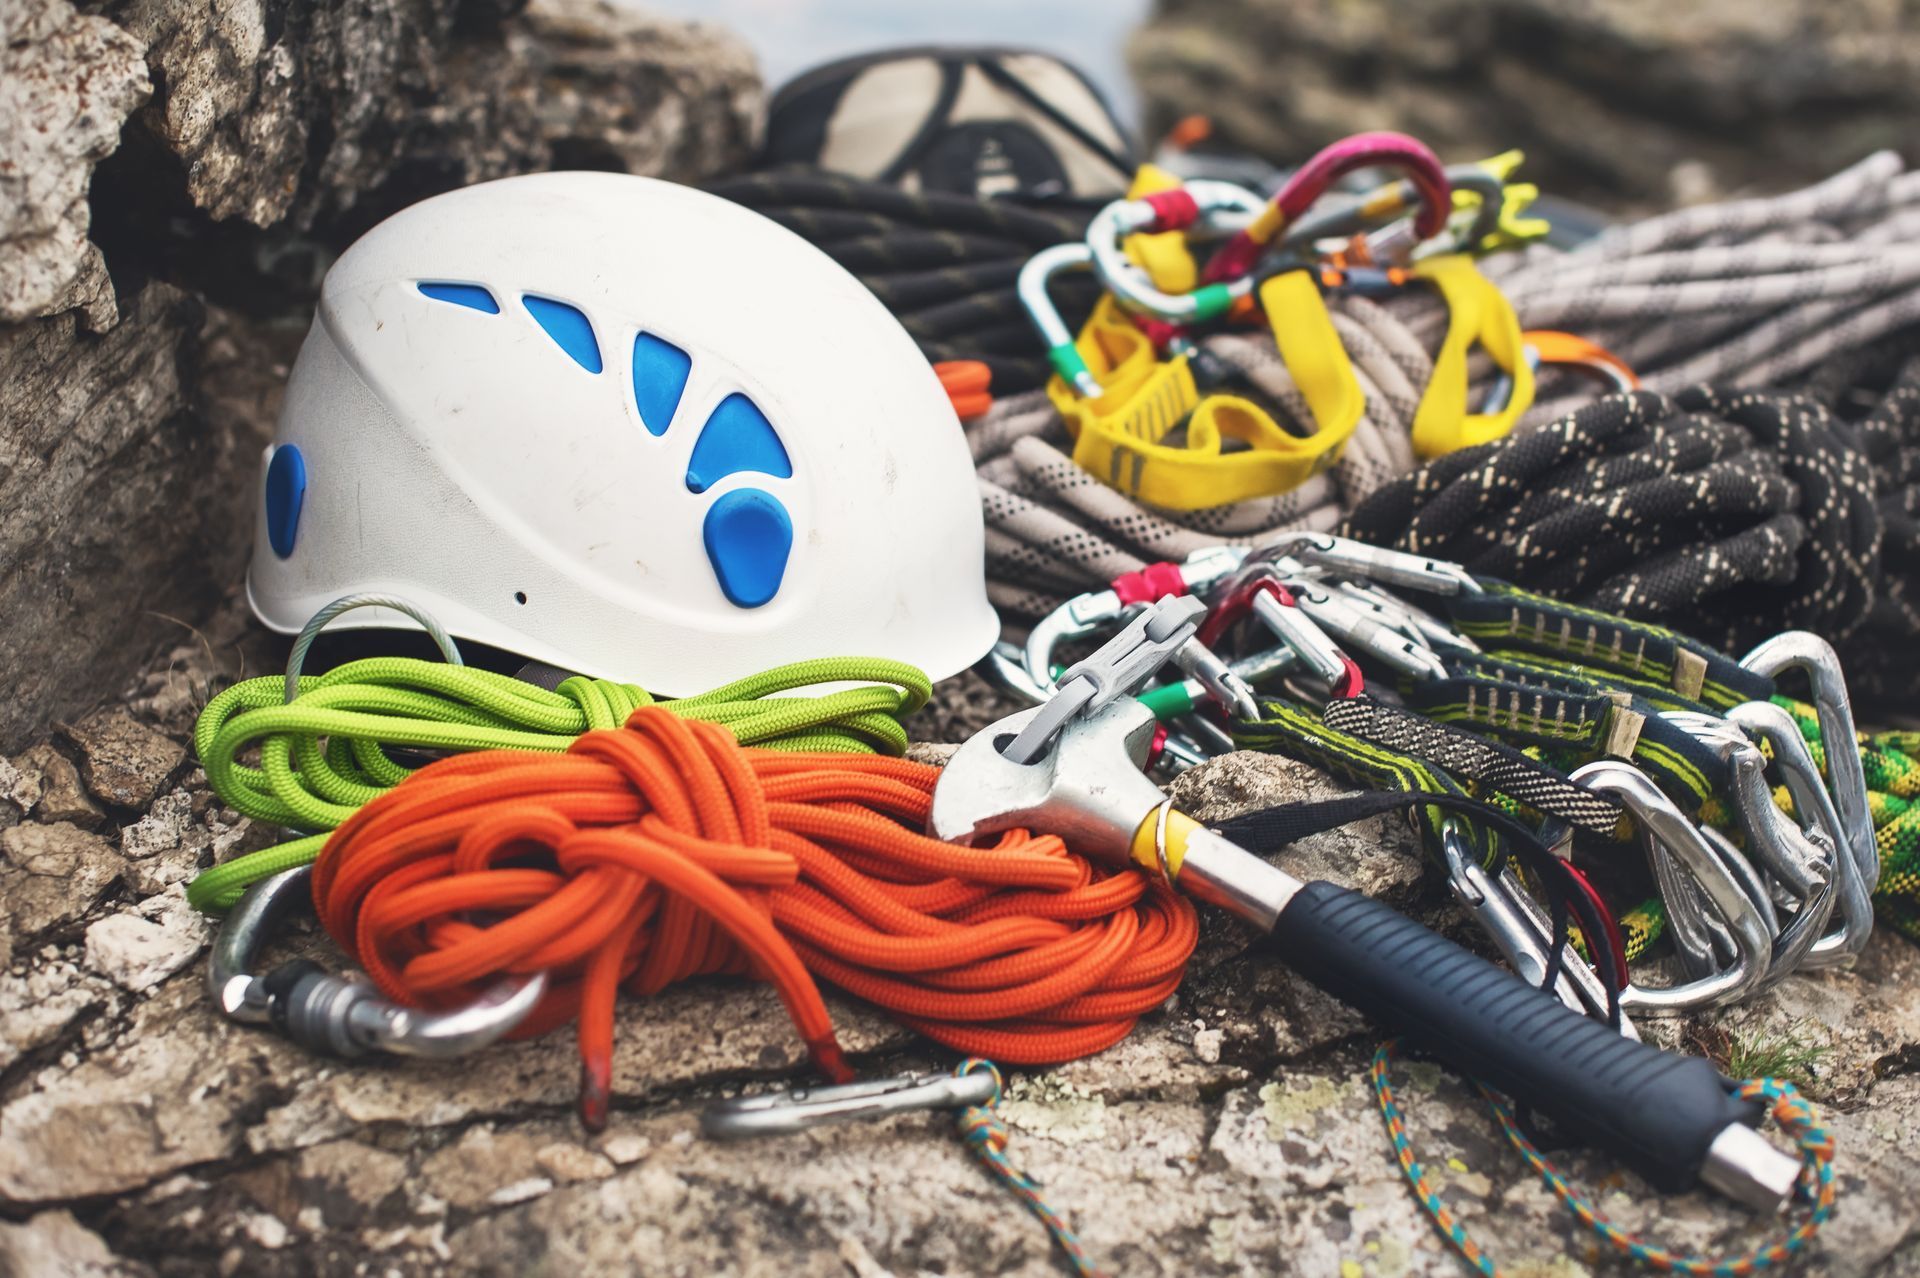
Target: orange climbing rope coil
x,y
665,850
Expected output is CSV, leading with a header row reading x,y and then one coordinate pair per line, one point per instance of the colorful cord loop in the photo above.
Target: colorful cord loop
x,y
1788,1108
986,1135
664,850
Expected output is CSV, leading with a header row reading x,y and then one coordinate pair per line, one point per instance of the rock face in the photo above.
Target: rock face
x,y
1233,1132
188,170
1621,103
67,82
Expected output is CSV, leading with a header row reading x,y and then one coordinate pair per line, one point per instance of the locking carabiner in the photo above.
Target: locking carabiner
x,y
1211,205
340,1017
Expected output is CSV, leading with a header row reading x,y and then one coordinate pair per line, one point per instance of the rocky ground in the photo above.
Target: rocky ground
x,y
1233,1133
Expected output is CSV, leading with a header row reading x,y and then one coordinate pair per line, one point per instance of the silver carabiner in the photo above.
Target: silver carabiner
x,y
1374,563
802,1108
1005,667
1085,614
1808,652
1035,274
1222,206
1662,824
1822,825
336,1016
1513,921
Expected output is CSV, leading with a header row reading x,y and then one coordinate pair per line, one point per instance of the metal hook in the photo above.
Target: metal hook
x,y
801,1108
347,603
336,1016
1662,823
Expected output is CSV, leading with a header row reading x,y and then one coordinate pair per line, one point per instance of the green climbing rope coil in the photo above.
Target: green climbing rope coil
x,y
332,749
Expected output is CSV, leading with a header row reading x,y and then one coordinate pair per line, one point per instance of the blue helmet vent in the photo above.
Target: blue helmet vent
x,y
569,327
659,380
737,437
471,296
286,493
748,536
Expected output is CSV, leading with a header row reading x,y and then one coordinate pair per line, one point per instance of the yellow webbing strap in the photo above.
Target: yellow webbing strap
x,y
1479,314
1118,436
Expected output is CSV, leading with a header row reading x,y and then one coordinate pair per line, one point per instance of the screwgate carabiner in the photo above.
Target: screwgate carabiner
x,y
1219,206
340,1017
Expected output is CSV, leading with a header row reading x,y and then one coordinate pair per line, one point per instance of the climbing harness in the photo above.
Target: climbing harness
x,y
716,490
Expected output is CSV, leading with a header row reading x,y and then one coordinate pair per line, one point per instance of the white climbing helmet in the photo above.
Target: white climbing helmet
x,y
625,428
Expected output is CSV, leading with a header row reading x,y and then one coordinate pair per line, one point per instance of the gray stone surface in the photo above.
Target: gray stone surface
x,y
1623,103
116,501
1232,1133
301,113
67,81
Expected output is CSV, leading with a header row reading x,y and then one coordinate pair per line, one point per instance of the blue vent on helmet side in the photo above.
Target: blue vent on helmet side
x,y
471,296
659,379
748,536
286,493
737,437
569,327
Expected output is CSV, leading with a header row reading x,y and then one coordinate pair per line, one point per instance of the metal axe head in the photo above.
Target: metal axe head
x,y
1088,787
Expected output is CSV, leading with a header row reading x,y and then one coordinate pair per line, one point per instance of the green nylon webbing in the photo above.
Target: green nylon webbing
x,y
1503,615
1297,732
1529,700
329,752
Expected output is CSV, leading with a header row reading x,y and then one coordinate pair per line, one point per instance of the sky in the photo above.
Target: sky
x,y
793,35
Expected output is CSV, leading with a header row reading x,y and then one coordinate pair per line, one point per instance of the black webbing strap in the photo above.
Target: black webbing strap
x,y
1497,767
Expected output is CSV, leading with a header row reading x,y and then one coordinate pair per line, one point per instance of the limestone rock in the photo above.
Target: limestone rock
x,y
55,1245
1614,101
67,82
50,876
138,949
117,503
309,114
124,761
41,1004
61,796
19,791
